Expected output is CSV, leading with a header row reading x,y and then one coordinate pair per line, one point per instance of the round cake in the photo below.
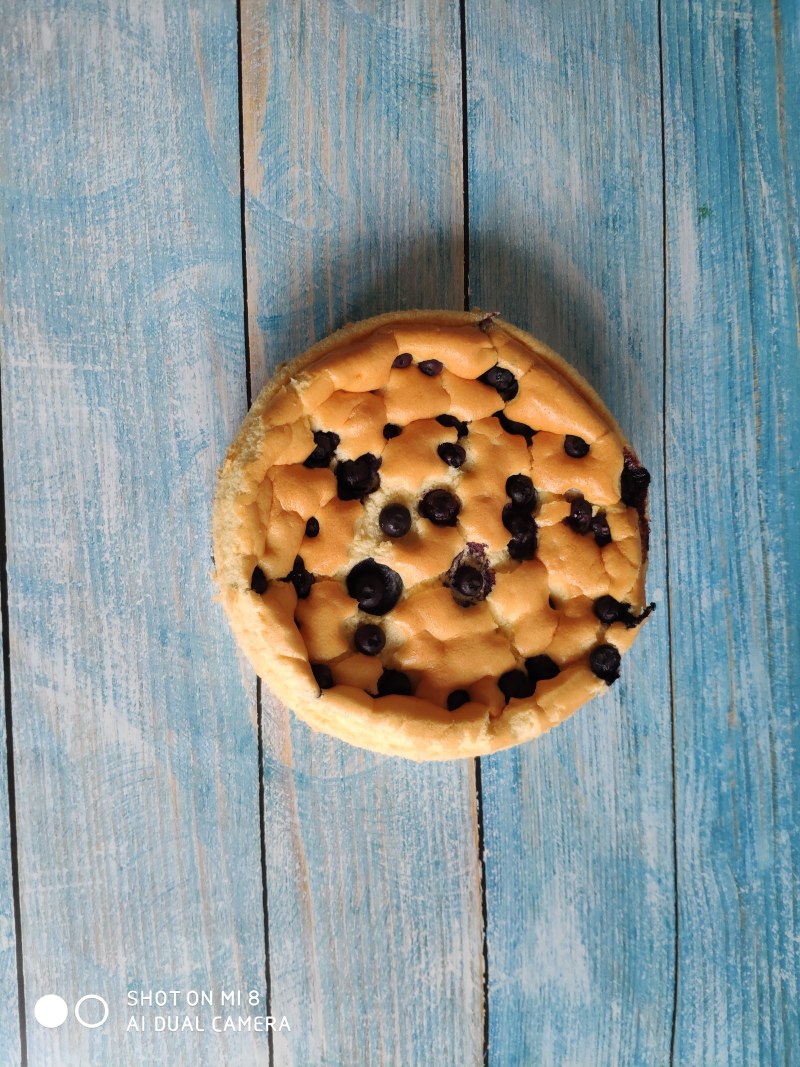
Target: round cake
x,y
430,536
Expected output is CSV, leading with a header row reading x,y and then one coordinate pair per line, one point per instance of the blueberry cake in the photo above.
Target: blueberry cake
x,y
431,536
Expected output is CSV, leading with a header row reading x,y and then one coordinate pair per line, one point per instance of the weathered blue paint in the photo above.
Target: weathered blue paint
x,y
732,94
566,239
353,171
9,1011
123,381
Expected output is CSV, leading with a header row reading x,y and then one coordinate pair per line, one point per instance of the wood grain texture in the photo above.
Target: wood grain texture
x,y
732,151
9,1011
123,380
566,239
354,206
123,376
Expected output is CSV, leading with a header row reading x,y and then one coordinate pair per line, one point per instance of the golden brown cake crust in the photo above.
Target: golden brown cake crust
x,y
481,604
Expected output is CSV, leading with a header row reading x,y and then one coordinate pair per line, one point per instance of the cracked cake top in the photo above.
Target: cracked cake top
x,y
431,536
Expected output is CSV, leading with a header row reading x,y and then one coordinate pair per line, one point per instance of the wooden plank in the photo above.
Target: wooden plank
x,y
353,175
732,88
123,381
10,1052
566,239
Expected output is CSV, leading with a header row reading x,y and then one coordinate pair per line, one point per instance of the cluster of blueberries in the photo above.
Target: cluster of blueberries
x,y
633,482
581,520
518,517
357,478
377,588
604,659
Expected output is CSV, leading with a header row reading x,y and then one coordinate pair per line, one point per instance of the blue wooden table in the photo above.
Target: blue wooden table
x,y
192,192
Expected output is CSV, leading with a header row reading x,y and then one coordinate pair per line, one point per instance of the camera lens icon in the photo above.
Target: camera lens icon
x,y
51,1010
104,1006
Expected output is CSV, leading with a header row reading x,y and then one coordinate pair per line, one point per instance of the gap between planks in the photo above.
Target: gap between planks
x,y
249,387
462,12
12,807
670,661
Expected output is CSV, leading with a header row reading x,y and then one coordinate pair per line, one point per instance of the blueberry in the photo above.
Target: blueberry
x,y
607,608
515,684
450,420
502,380
575,446
633,484
403,360
301,579
394,683
524,533
395,520
322,674
601,529
520,488
604,661
453,455
457,699
468,581
517,522
469,576
376,588
518,428
258,581
440,506
431,367
524,545
541,668
626,615
312,527
326,442
357,478
391,430
580,516
369,639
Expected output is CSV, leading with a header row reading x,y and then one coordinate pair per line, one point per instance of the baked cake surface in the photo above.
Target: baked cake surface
x,y
430,536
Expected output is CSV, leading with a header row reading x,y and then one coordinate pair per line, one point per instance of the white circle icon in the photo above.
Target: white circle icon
x,y
91,996
50,1010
